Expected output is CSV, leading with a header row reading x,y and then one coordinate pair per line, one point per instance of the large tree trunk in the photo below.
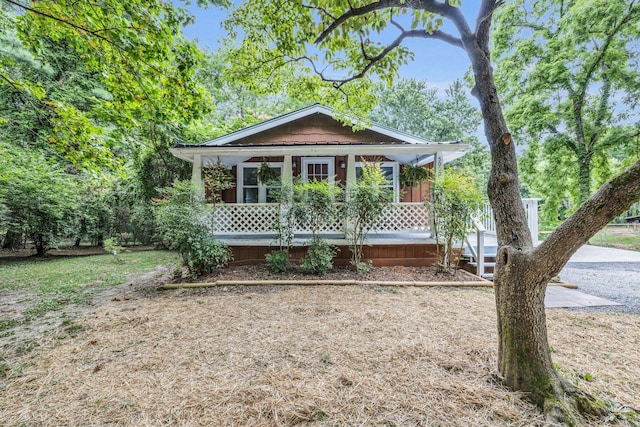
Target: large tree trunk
x,y
522,271
584,177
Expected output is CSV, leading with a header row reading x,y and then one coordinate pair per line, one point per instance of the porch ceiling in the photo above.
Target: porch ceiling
x,y
403,153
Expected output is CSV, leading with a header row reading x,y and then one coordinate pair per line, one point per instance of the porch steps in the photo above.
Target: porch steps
x,y
490,253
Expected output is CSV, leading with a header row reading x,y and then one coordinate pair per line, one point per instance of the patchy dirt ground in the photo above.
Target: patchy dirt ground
x,y
285,355
24,336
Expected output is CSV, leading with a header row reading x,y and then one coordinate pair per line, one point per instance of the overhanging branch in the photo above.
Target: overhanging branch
x,y
613,198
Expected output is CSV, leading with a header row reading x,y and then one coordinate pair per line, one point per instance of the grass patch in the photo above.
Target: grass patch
x,y
8,323
59,281
70,275
617,238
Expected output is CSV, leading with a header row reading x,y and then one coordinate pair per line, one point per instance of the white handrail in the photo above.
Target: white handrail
x,y
531,211
478,251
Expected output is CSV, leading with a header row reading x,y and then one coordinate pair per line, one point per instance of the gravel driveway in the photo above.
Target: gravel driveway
x,y
616,281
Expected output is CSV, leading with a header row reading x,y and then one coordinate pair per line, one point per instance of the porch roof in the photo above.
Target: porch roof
x,y
403,153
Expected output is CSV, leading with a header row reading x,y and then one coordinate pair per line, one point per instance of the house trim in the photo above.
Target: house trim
x,y
302,113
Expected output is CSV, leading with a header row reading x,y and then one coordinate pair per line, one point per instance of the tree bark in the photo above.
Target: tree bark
x,y
522,272
584,177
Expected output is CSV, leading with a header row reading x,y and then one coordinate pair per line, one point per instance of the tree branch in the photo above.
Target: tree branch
x,y
359,11
483,22
55,18
604,48
437,35
613,198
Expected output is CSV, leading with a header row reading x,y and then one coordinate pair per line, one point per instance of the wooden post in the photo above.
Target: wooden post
x,y
351,180
196,174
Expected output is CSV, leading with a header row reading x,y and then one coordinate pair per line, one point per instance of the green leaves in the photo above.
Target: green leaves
x,y
306,51
568,72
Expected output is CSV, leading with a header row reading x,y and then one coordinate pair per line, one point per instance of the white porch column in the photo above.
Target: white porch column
x,y
196,174
438,164
351,171
531,209
286,178
287,169
351,179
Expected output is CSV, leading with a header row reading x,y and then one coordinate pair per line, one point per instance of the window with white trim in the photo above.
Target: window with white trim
x,y
390,170
249,189
318,168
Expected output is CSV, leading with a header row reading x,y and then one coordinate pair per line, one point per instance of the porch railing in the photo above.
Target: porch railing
x,y
259,219
530,209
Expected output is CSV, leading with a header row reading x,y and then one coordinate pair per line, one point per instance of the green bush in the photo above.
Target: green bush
x,y
455,199
315,204
278,261
182,224
367,199
206,254
319,257
41,200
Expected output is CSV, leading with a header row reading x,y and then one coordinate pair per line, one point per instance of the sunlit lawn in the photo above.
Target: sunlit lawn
x,y
56,281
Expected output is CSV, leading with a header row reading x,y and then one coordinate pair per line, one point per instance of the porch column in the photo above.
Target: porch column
x,y
286,178
196,174
351,180
351,171
287,169
438,164
531,209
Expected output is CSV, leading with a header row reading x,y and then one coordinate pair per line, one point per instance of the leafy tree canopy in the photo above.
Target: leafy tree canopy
x,y
570,73
134,49
294,49
412,106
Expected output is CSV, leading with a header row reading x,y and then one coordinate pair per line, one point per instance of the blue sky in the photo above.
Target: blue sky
x,y
436,62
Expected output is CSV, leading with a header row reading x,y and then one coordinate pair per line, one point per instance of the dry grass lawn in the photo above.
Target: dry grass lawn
x,y
326,356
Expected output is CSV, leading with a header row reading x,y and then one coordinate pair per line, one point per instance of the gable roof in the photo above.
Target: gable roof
x,y
231,138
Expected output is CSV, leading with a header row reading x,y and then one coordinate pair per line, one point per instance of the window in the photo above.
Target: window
x,y
250,190
390,171
318,168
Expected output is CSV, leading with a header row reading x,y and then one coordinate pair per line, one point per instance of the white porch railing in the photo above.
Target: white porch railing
x,y
244,219
259,219
486,224
530,209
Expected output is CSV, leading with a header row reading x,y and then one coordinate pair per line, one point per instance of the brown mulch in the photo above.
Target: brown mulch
x,y
338,273
291,355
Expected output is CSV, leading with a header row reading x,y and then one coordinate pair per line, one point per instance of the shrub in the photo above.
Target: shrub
x,y
206,254
315,204
41,200
278,261
454,201
112,246
319,256
366,200
182,221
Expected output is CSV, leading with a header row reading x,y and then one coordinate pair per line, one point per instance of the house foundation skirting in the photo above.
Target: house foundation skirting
x,y
406,255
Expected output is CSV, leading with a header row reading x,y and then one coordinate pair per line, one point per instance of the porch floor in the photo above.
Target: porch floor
x,y
373,239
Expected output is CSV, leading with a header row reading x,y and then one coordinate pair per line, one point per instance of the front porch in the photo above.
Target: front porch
x,y
402,236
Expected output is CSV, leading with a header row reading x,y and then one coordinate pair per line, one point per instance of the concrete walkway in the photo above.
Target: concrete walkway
x,y
592,268
559,297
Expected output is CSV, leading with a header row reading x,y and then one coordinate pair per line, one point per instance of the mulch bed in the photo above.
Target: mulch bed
x,y
339,273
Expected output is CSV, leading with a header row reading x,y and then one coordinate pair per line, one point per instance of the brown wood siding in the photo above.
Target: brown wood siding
x,y
315,129
381,255
419,193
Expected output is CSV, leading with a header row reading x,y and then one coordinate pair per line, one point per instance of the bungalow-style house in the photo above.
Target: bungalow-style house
x,y
311,143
